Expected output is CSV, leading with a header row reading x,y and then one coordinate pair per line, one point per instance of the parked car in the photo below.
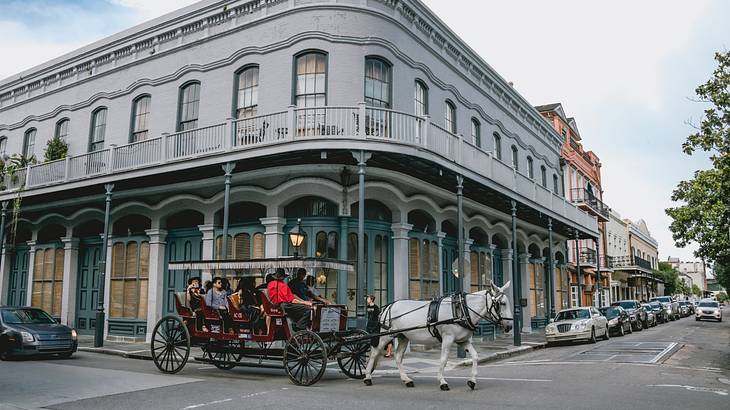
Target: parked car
x,y
670,306
637,314
708,309
659,312
650,315
618,320
30,331
584,323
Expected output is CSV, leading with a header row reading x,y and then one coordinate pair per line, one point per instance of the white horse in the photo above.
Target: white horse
x,y
411,316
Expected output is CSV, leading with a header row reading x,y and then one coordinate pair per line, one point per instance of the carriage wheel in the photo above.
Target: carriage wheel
x,y
305,358
353,356
170,346
225,354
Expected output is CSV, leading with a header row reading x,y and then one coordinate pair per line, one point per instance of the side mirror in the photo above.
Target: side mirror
x,y
551,320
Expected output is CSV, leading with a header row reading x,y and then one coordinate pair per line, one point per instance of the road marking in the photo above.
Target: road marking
x,y
664,352
720,392
723,380
246,396
195,406
425,376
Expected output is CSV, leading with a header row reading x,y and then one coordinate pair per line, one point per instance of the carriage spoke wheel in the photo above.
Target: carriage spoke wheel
x,y
222,354
170,346
353,355
305,358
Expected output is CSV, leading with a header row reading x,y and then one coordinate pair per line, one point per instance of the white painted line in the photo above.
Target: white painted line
x,y
720,392
246,396
485,378
663,352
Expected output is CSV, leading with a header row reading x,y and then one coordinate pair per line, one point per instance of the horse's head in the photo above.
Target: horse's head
x,y
502,306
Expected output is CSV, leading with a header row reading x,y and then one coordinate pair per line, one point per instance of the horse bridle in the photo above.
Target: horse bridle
x,y
494,313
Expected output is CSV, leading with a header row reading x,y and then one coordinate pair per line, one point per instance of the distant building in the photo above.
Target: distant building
x,y
695,272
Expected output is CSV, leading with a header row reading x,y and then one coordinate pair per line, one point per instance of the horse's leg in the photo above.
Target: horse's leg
x,y
399,353
446,343
472,382
375,354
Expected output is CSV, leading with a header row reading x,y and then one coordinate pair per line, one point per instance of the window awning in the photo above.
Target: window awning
x,y
264,264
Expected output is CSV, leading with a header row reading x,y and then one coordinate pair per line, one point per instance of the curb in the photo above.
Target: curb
x,y
503,355
114,352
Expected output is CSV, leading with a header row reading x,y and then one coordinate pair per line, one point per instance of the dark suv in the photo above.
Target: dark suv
x,y
637,314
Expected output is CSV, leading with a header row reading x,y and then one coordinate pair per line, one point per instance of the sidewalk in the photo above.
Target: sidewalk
x,y
419,359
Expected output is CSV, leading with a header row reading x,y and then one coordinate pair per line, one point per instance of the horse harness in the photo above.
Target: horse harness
x,y
459,315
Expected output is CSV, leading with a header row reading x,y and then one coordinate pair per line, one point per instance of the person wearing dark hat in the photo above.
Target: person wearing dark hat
x,y
296,308
194,296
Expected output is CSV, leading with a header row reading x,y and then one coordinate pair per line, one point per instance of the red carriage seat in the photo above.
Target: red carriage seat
x,y
236,314
270,309
181,305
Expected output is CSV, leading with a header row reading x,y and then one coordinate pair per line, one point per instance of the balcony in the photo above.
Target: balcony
x,y
631,261
289,131
587,256
588,202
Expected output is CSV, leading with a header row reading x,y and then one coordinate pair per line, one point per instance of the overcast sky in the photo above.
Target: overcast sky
x,y
626,70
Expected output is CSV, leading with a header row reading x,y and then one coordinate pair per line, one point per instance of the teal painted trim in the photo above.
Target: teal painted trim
x,y
127,327
342,255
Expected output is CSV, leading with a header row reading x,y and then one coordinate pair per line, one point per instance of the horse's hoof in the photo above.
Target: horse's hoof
x,y
445,387
368,382
471,384
410,384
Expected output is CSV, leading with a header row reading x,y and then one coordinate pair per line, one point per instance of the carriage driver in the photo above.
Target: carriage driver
x,y
297,309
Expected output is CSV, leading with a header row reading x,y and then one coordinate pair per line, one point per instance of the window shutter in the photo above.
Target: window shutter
x,y
259,245
242,246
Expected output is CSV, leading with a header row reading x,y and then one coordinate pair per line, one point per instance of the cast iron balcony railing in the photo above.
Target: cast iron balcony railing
x,y
587,256
630,261
588,201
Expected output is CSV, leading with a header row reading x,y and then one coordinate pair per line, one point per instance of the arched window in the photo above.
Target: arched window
x,y
450,117
530,170
29,143
476,132
420,98
543,176
98,129
378,82
62,129
497,146
311,80
247,94
515,159
3,145
189,102
556,188
140,118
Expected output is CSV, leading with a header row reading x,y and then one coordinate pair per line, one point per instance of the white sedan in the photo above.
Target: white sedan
x,y
584,323
708,309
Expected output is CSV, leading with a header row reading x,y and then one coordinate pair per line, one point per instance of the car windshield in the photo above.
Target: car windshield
x,y
655,305
647,307
26,317
572,315
664,299
626,304
709,304
610,312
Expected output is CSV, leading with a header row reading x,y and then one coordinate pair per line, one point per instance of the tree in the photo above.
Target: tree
x,y
721,297
56,148
672,284
696,290
722,274
704,214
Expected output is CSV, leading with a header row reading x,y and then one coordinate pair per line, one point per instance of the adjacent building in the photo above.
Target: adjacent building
x,y
286,102
695,272
639,266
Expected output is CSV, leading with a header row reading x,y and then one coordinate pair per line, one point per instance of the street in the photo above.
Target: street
x,y
682,364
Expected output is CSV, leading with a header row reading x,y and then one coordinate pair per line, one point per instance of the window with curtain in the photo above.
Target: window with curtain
x,y
62,129
423,268
311,87
351,276
537,290
98,129
497,146
48,280
481,270
241,246
420,98
556,187
476,132
450,117
130,275
378,81
189,106
29,143
515,159
530,170
140,116
543,176
380,270
247,97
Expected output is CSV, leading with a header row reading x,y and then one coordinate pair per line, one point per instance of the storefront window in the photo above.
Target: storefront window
x,y
48,280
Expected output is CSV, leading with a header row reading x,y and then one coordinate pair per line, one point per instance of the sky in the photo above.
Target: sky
x,y
626,70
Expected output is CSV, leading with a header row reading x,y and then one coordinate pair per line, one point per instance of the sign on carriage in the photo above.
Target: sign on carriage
x,y
329,319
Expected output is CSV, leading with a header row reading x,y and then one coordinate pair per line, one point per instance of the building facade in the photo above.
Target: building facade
x,y
641,263
581,181
695,272
288,101
617,239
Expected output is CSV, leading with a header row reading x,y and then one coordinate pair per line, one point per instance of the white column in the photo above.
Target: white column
x,y
208,232
526,319
506,257
31,264
5,262
274,236
400,259
70,275
441,236
468,242
156,281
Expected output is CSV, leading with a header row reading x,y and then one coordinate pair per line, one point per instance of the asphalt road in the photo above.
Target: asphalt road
x,y
684,364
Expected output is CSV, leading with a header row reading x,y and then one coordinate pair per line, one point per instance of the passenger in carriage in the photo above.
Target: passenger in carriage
x,y
296,308
194,296
313,293
206,287
248,300
298,286
218,299
269,278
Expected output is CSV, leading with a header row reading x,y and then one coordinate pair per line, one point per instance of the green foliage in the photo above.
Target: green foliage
x,y
704,216
722,297
722,274
672,284
696,290
56,148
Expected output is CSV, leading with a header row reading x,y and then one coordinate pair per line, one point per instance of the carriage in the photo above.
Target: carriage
x,y
270,341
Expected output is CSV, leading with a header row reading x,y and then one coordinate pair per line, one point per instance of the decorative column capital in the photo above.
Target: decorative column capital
x,y
208,231
157,236
505,253
32,245
524,258
70,243
401,230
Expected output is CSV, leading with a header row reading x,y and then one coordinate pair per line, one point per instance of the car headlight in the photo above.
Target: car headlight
x,y
74,335
613,322
580,325
27,337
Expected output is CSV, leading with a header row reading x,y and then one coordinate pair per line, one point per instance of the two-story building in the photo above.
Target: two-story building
x,y
695,272
288,103
640,264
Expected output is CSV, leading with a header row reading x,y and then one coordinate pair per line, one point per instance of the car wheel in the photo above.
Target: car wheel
x,y
606,335
593,336
645,323
621,331
697,319
631,328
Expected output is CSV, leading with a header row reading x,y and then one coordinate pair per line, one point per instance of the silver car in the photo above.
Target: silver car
x,y
585,323
670,306
708,309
